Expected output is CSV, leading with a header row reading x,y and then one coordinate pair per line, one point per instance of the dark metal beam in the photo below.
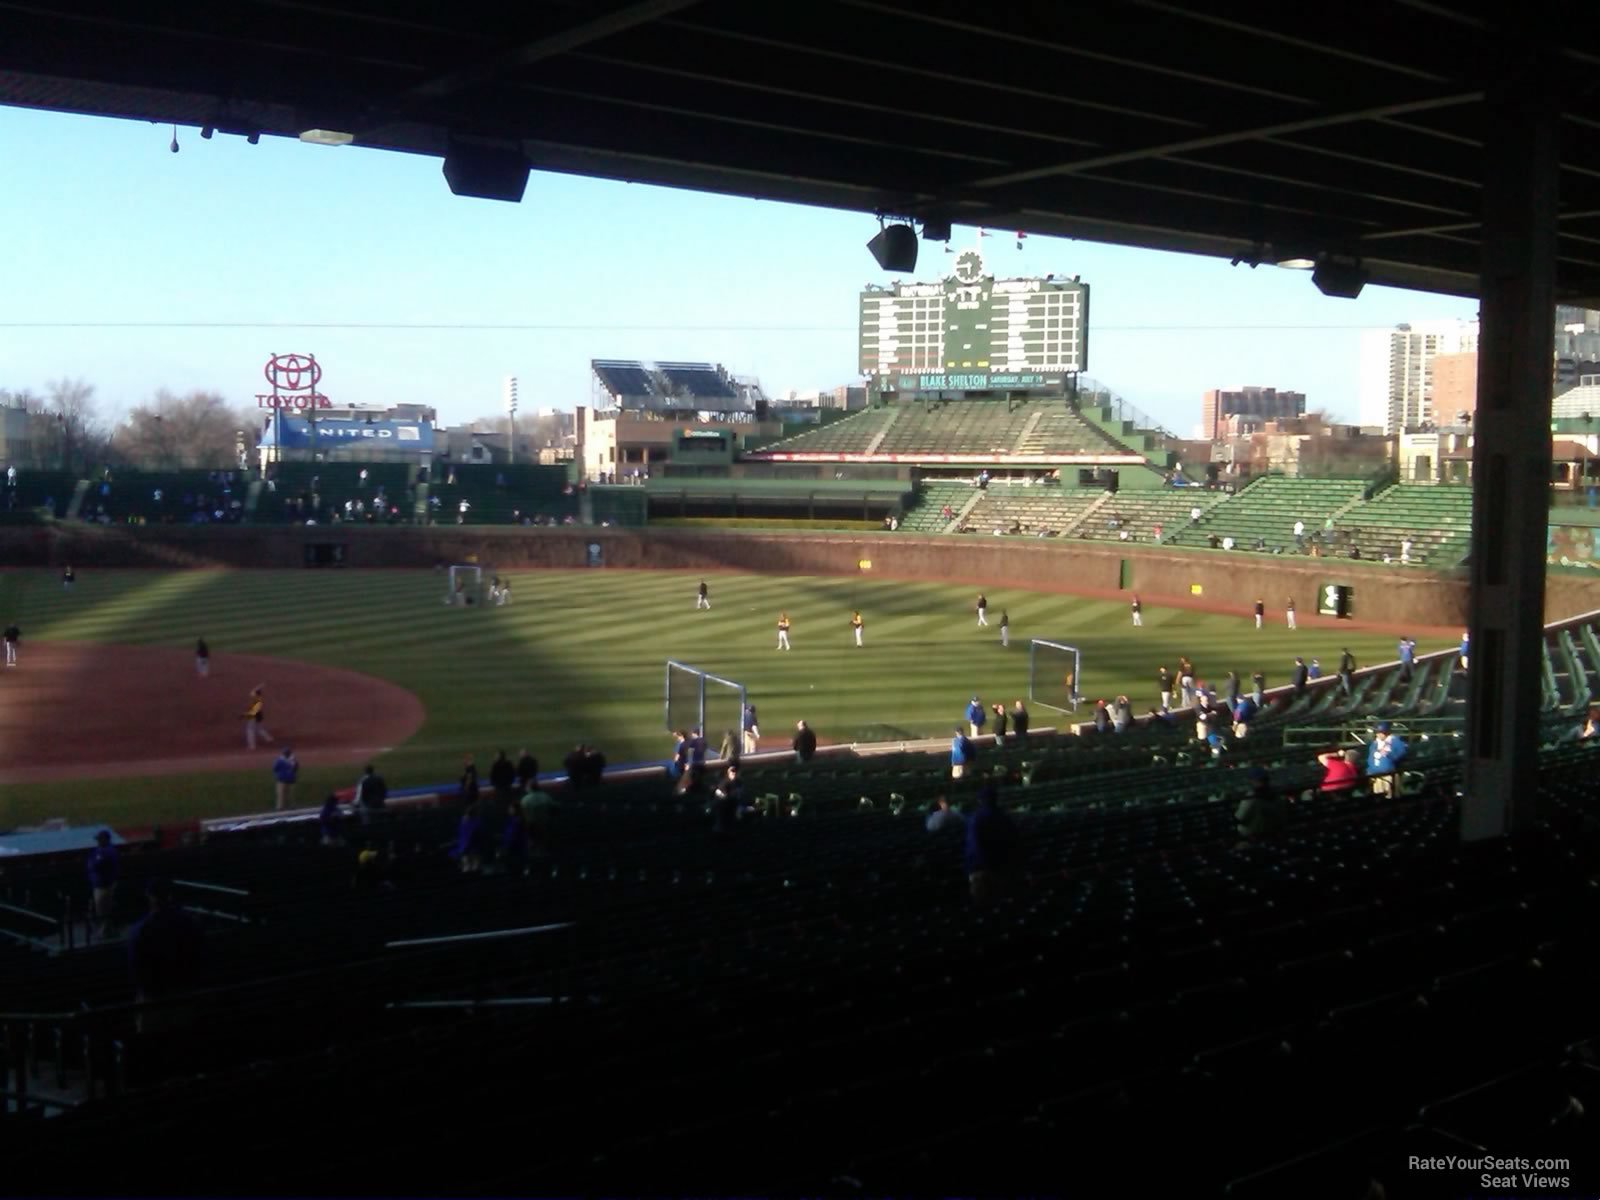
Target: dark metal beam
x,y
549,45
1227,138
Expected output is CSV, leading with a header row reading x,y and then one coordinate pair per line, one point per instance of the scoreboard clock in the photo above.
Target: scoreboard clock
x,y
973,332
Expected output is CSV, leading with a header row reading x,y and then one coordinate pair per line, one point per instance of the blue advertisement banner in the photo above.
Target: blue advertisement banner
x,y
391,435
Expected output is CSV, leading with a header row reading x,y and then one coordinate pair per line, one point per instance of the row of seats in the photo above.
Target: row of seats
x,y
1436,520
969,427
1031,510
501,494
820,988
1148,516
927,515
1268,509
303,491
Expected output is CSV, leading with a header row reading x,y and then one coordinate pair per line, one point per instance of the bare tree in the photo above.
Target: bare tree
x,y
73,438
533,432
199,430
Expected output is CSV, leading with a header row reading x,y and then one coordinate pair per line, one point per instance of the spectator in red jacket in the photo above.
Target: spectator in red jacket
x,y
1340,770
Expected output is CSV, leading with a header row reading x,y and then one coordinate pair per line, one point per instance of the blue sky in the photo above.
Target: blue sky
x,y
106,227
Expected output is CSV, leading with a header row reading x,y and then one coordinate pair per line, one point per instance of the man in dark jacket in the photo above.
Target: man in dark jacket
x,y
1262,812
103,871
1019,721
527,769
1347,672
502,777
805,742
993,848
164,951
371,794
576,765
1299,677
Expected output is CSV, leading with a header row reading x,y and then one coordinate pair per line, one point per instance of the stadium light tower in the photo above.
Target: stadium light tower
x,y
511,419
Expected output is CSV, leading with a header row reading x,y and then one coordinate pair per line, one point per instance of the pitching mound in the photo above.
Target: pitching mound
x,y
75,710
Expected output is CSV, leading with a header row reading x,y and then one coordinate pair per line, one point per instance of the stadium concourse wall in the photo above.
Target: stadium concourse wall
x,y
1389,595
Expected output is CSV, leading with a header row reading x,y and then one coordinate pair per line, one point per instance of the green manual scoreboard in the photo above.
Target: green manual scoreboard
x,y
973,332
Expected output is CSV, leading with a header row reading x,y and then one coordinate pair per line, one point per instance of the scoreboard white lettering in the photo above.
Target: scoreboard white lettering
x,y
977,332
977,381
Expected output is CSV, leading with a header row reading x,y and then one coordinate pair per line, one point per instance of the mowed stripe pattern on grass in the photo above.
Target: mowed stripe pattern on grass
x,y
580,655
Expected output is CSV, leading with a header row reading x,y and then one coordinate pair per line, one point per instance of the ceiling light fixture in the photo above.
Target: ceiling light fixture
x,y
327,137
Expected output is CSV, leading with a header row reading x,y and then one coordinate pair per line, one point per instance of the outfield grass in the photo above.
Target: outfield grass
x,y
580,655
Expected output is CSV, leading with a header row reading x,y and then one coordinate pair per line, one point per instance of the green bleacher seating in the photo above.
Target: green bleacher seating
x,y
1138,513
932,498
1437,519
1046,508
850,435
336,483
502,495
39,490
968,427
1267,509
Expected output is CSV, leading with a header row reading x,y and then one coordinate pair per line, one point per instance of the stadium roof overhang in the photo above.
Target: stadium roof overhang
x,y
1258,131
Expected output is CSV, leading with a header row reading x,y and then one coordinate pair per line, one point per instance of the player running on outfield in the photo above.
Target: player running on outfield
x,y
13,637
1138,612
1261,611
202,658
783,631
855,625
1005,628
68,578
702,600
255,718
983,610
1288,612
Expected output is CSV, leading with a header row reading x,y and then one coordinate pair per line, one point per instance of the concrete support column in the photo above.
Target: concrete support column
x,y
1511,456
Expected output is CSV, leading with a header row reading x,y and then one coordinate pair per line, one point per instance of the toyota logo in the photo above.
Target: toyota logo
x,y
293,372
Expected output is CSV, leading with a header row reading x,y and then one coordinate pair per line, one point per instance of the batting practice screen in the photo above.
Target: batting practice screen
x,y
697,699
1054,679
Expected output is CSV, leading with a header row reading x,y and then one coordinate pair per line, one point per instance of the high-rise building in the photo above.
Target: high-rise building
x,y
1257,405
1455,375
1397,370
1569,318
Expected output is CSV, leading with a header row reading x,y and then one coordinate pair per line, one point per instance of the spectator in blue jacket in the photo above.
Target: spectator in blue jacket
x,y
944,816
960,754
328,820
103,871
993,848
1407,653
1243,713
285,770
468,850
977,716
1384,755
